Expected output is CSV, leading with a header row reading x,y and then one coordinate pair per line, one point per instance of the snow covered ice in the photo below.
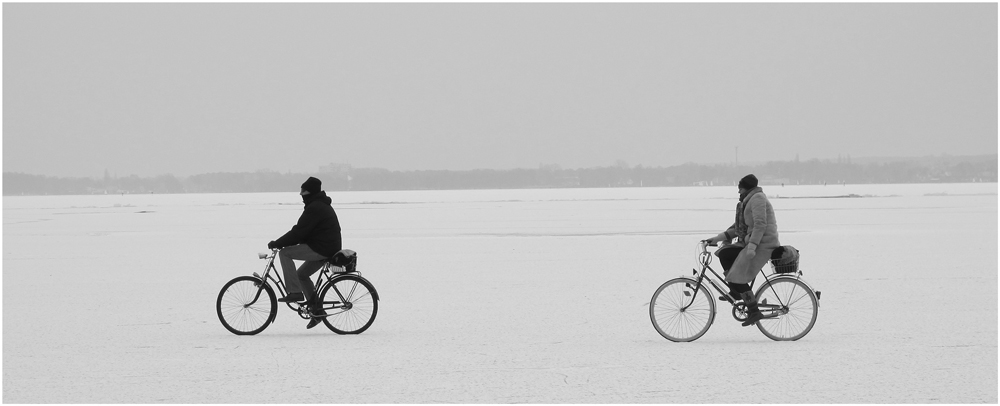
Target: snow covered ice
x,y
500,296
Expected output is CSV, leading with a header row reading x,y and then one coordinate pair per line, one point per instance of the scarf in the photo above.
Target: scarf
x,y
309,198
741,225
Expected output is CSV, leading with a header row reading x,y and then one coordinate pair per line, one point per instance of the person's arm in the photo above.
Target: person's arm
x,y
298,232
727,235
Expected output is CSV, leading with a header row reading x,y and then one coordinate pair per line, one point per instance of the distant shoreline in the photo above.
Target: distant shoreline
x,y
979,169
767,188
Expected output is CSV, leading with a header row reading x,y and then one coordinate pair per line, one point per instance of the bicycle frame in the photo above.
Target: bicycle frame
x,y
705,258
275,278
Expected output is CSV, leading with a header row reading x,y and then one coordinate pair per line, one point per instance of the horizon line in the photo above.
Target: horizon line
x,y
849,160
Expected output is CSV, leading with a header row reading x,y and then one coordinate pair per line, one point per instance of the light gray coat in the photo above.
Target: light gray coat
x,y
761,228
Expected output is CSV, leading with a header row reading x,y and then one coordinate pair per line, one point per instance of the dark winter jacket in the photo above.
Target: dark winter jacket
x,y
318,227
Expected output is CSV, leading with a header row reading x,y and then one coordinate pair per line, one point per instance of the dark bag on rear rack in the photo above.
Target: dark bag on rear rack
x,y
785,259
348,259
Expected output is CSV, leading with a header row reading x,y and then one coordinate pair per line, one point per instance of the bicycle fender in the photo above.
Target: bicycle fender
x,y
374,290
692,281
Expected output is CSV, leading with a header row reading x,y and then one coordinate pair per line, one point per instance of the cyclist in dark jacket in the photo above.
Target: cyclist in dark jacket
x,y
313,239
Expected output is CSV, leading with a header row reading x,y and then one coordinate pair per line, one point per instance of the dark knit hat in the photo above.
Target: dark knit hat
x,y
748,182
312,185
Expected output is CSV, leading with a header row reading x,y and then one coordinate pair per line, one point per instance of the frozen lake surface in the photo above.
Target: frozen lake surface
x,y
500,296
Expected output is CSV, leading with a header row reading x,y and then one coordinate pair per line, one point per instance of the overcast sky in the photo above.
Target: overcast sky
x,y
150,89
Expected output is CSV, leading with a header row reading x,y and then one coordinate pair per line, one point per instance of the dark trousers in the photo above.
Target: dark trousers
x,y
727,256
298,280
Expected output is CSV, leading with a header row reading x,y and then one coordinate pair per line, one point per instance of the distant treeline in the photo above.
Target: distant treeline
x,y
342,177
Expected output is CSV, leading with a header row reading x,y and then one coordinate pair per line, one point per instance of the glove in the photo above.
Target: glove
x,y
271,245
751,250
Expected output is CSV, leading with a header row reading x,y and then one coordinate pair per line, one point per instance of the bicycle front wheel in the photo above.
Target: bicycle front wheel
x,y
682,310
790,309
246,305
351,304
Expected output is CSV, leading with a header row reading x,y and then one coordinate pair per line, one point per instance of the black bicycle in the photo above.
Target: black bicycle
x,y
682,309
247,304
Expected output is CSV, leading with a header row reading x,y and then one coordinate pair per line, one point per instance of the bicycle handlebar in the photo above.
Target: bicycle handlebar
x,y
703,244
266,255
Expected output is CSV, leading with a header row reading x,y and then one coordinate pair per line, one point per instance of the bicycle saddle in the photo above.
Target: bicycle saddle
x,y
348,259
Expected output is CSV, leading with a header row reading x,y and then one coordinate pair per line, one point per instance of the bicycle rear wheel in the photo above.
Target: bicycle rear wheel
x,y
790,309
351,303
676,316
246,305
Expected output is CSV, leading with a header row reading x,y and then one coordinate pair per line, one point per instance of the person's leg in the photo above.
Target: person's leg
x,y
736,290
743,291
315,307
312,262
728,255
300,252
306,270
288,271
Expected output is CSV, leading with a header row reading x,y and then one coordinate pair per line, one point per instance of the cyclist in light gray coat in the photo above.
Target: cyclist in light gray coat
x,y
756,231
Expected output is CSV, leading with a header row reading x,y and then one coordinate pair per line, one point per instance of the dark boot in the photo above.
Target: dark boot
x,y
316,309
753,312
735,291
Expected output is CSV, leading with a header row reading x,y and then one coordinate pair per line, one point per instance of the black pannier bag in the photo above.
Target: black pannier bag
x,y
345,258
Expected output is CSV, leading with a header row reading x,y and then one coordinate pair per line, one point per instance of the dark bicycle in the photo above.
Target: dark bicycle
x,y
682,309
247,304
